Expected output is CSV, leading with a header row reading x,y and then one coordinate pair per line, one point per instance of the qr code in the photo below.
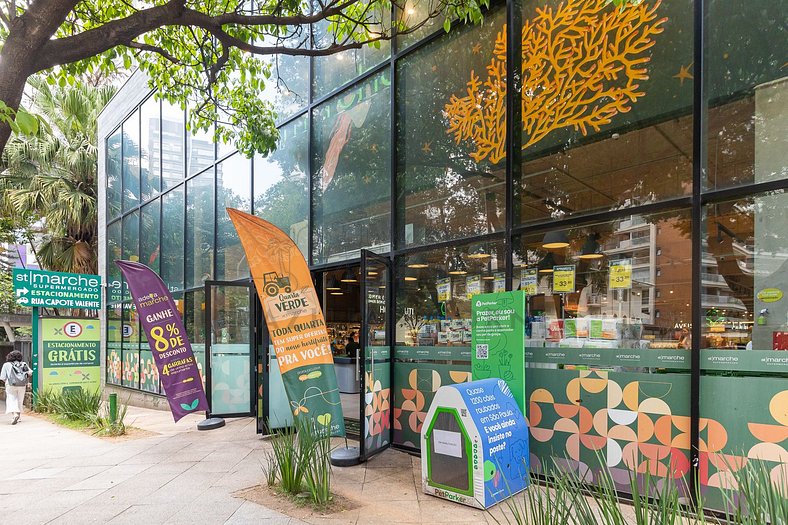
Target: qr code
x,y
481,351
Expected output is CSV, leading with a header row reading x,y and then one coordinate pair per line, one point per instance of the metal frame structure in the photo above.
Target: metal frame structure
x,y
694,203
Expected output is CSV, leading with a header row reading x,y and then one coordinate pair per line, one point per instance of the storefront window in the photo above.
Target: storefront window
x,y
351,182
623,284
332,71
451,168
194,321
747,91
150,222
131,161
607,350
200,150
150,135
281,186
114,253
172,239
433,324
288,87
199,228
744,277
233,190
113,172
604,133
131,347
131,239
744,368
415,13
114,343
173,160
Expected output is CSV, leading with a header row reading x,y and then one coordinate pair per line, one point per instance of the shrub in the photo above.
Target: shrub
x,y
301,456
317,472
81,406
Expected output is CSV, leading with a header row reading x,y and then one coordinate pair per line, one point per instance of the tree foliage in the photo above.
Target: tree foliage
x,y
209,55
52,175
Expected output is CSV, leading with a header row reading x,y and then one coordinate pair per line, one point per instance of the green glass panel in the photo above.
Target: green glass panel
x,y
443,191
114,169
172,240
131,161
351,172
173,135
199,228
281,186
150,221
150,149
233,190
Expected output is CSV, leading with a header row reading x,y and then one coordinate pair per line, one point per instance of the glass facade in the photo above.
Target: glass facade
x,y
445,189
351,172
636,198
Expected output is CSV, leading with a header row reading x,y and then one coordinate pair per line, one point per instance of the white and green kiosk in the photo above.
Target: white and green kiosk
x,y
474,441
474,444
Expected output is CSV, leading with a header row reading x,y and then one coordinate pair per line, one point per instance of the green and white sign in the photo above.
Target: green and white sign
x,y
498,325
70,355
57,289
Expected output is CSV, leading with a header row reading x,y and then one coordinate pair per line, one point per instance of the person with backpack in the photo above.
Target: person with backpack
x,y
15,374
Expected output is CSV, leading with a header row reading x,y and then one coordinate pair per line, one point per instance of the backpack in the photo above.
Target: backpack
x,y
17,376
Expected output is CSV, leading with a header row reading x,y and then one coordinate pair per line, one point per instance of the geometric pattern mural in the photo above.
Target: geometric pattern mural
x,y
634,421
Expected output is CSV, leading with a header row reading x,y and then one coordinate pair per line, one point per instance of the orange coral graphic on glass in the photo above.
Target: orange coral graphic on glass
x,y
582,62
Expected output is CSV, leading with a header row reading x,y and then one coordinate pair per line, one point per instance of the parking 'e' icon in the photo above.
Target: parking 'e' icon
x,y
72,329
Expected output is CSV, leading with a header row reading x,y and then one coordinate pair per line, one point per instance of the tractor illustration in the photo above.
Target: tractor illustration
x,y
273,284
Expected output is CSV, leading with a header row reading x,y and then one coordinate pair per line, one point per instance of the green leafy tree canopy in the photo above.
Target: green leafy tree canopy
x,y
209,55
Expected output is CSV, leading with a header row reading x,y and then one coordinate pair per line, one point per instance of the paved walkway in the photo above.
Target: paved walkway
x,y
49,474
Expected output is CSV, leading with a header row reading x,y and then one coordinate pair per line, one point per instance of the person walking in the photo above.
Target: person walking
x,y
15,374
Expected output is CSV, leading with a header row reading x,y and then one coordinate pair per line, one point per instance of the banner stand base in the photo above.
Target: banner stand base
x,y
210,423
345,457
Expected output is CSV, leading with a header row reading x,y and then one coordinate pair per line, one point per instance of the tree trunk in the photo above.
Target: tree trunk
x,y
26,36
14,73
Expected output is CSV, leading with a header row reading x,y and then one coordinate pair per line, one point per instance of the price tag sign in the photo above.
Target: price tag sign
x,y
564,278
499,283
621,274
528,281
473,285
444,290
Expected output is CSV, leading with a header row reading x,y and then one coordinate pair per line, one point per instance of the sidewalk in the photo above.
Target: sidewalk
x,y
180,475
55,475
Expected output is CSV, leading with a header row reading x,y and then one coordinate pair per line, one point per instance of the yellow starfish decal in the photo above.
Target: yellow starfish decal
x,y
476,49
684,73
427,147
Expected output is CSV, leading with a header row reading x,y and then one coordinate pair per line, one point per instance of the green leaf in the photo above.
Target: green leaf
x,y
28,124
186,407
195,403
447,24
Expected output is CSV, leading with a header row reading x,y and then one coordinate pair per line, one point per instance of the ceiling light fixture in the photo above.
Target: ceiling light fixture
x,y
554,240
349,276
591,248
332,283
